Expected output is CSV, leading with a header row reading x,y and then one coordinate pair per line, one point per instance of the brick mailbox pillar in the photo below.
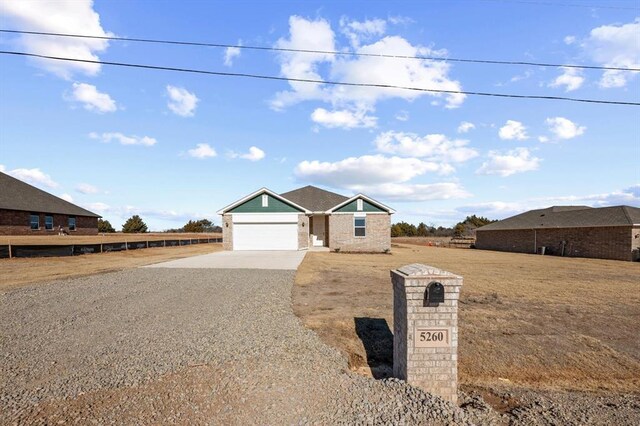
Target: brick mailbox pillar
x,y
425,328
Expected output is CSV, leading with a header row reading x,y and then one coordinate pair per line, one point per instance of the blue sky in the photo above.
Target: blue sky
x,y
174,146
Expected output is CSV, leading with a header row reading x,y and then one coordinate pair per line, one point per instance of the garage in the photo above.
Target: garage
x,y
265,231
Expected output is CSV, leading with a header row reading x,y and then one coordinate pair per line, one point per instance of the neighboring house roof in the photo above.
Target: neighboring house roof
x,y
17,195
314,199
568,217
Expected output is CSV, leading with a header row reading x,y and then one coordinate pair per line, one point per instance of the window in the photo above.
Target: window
x,y
359,226
72,223
265,200
34,220
359,204
48,222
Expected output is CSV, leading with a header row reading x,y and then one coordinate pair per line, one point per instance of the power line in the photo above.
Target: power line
x,y
305,80
323,52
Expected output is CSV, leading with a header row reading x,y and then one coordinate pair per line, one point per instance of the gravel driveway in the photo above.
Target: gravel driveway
x,y
150,346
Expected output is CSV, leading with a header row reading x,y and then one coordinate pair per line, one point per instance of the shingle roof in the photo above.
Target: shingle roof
x,y
314,199
568,217
17,195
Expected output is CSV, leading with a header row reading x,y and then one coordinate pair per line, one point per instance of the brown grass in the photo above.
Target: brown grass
x,y
118,237
535,321
18,272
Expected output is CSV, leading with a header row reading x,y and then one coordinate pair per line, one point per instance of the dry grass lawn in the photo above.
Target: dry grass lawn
x,y
531,321
18,272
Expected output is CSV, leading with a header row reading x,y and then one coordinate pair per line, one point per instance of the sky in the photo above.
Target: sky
x,y
174,146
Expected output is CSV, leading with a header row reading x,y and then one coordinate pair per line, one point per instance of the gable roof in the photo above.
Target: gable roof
x,y
255,194
568,217
18,195
314,199
364,197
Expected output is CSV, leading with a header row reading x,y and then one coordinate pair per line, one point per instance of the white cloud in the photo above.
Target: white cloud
x,y
85,188
615,46
400,20
123,139
202,150
465,126
414,192
67,197
563,128
182,102
357,31
92,99
97,207
343,118
318,35
568,40
571,79
402,115
436,147
254,154
62,16
230,53
514,161
513,130
543,139
369,170
35,176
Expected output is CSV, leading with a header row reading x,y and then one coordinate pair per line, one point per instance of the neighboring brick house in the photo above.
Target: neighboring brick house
x,y
575,231
306,217
27,210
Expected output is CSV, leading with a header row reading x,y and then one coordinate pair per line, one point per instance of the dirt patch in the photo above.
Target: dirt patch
x,y
22,271
534,322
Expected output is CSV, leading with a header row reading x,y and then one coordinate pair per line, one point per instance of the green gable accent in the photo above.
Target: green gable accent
x,y
254,205
366,207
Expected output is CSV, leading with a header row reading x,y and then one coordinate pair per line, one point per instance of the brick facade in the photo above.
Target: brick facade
x,y
303,232
227,232
615,242
15,222
377,233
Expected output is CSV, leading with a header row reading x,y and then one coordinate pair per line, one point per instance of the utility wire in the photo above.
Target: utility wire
x,y
324,52
305,80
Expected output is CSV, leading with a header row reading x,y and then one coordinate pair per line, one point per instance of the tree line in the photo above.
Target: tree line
x,y
465,228
135,224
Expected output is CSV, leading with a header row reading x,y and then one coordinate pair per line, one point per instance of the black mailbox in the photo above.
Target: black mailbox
x,y
434,294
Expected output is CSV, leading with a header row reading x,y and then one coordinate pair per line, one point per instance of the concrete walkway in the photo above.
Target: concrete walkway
x,y
283,260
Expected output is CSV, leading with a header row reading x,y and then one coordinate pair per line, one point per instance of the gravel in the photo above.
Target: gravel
x,y
177,346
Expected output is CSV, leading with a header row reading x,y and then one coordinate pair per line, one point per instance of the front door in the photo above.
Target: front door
x,y
318,231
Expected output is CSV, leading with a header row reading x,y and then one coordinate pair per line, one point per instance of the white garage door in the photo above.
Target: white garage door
x,y
265,236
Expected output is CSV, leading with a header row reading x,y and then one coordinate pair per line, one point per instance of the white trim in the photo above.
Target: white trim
x,y
357,213
265,200
370,200
255,194
359,204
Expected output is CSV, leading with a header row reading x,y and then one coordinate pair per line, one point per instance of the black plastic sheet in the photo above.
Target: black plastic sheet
x,y
41,251
107,247
4,252
156,244
79,249
135,245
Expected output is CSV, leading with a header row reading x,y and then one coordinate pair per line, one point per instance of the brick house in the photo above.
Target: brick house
x,y
27,210
576,231
306,217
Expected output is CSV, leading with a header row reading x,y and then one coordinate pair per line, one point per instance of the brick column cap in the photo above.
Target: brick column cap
x,y
418,270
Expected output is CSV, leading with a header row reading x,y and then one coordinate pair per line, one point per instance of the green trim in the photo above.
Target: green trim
x,y
254,205
366,207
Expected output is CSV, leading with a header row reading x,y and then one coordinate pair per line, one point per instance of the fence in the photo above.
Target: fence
x,y
8,251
